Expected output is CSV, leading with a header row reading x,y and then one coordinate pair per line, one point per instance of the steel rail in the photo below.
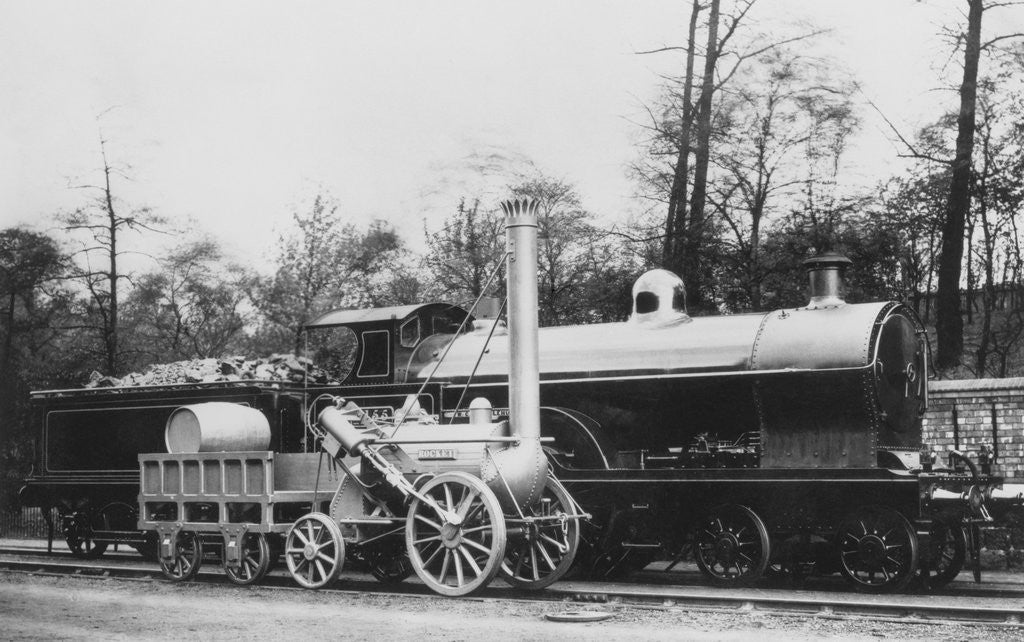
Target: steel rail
x,y
776,604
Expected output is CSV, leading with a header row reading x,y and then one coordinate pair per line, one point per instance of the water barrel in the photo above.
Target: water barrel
x,y
216,427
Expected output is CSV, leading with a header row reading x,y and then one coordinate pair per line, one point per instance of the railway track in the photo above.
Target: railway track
x,y
995,606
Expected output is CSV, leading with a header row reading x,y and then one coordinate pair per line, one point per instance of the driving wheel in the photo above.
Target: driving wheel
x,y
456,537
544,548
878,550
731,545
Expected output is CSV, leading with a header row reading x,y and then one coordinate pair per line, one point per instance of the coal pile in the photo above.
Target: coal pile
x,y
278,367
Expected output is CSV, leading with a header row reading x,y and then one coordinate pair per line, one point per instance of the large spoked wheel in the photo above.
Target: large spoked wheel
x,y
731,545
78,535
878,550
314,551
947,552
545,550
456,540
188,557
254,560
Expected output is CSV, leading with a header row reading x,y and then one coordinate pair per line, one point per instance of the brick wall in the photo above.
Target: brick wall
x,y
988,411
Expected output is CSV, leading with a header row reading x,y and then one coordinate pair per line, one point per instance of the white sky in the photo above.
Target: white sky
x,y
233,112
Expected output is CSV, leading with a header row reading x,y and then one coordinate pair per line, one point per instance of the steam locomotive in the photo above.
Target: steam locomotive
x,y
779,442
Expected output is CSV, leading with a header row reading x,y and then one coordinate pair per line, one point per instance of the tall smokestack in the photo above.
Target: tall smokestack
x,y
524,366
518,474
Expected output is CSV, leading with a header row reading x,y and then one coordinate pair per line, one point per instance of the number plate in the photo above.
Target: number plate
x,y
437,453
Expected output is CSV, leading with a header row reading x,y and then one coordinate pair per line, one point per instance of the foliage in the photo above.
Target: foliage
x,y
193,307
322,264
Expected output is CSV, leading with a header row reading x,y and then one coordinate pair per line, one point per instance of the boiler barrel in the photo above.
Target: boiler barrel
x,y
216,427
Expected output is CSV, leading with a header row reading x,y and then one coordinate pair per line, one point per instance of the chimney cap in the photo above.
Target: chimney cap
x,y
826,261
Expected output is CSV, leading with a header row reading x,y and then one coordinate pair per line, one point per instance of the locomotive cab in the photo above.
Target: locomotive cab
x,y
375,346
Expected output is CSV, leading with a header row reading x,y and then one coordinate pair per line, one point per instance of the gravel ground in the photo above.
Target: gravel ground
x,y
57,608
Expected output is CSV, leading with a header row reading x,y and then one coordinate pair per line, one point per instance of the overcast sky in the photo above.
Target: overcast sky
x,y
234,112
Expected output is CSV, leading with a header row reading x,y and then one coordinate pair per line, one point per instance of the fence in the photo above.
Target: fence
x,y
18,522
24,523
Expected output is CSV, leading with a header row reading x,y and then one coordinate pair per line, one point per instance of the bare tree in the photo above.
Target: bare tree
x,y
686,127
99,228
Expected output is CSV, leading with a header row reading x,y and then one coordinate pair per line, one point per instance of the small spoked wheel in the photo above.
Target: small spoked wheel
x,y
455,539
254,560
188,557
878,550
314,551
731,545
546,547
947,552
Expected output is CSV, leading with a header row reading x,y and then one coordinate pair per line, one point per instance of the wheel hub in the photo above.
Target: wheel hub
x,y
726,546
309,551
872,551
451,535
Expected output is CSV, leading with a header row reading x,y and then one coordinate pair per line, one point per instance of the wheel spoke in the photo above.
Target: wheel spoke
x,y
460,576
447,496
480,547
539,546
469,496
429,522
472,562
444,565
433,555
320,555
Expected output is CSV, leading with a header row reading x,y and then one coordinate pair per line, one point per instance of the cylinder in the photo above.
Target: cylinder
x,y
337,424
524,360
216,426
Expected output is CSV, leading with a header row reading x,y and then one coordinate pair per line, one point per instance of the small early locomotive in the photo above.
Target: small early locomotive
x,y
778,442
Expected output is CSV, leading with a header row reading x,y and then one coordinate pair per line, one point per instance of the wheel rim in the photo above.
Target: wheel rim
x,y
254,560
546,550
731,545
458,550
188,557
877,550
314,551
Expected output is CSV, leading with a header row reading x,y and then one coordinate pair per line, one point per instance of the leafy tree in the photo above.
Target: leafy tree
x,y
784,127
34,309
464,252
193,307
322,264
567,249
